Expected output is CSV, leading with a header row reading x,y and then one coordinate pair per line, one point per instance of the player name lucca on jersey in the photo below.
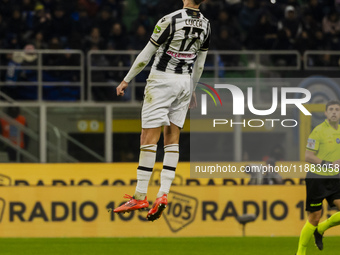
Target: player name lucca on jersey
x,y
179,36
194,22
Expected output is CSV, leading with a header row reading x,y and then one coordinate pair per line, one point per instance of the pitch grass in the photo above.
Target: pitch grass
x,y
163,246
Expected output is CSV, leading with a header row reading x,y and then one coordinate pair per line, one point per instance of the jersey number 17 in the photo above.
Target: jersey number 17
x,y
196,32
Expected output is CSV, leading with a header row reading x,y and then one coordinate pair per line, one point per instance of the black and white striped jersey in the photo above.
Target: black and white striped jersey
x,y
179,36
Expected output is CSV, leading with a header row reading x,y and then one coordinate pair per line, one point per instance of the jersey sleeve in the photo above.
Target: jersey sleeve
x,y
313,141
206,43
161,32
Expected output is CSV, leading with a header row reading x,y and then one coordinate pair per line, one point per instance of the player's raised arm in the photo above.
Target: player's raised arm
x,y
140,63
159,36
196,75
199,67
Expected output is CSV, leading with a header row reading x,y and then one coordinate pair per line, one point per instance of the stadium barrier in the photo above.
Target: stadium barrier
x,y
42,77
76,200
86,211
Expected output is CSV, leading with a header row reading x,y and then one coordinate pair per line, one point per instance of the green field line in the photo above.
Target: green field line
x,y
163,246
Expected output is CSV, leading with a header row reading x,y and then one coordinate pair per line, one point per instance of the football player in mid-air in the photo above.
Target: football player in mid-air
x,y
179,40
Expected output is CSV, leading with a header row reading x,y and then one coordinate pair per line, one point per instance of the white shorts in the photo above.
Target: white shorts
x,y
166,99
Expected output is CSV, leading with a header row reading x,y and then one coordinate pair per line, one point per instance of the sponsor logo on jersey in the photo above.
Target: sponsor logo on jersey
x,y
181,55
157,29
338,140
311,143
194,22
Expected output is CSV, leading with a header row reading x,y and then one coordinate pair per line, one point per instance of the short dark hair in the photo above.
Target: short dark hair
x,y
332,102
197,1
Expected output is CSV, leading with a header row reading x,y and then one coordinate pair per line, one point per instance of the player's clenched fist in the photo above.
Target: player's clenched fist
x,y
120,89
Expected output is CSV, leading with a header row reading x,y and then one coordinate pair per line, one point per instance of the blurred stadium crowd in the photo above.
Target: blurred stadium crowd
x,y
128,24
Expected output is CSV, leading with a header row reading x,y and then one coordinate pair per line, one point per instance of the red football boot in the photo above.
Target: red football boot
x,y
132,204
157,208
